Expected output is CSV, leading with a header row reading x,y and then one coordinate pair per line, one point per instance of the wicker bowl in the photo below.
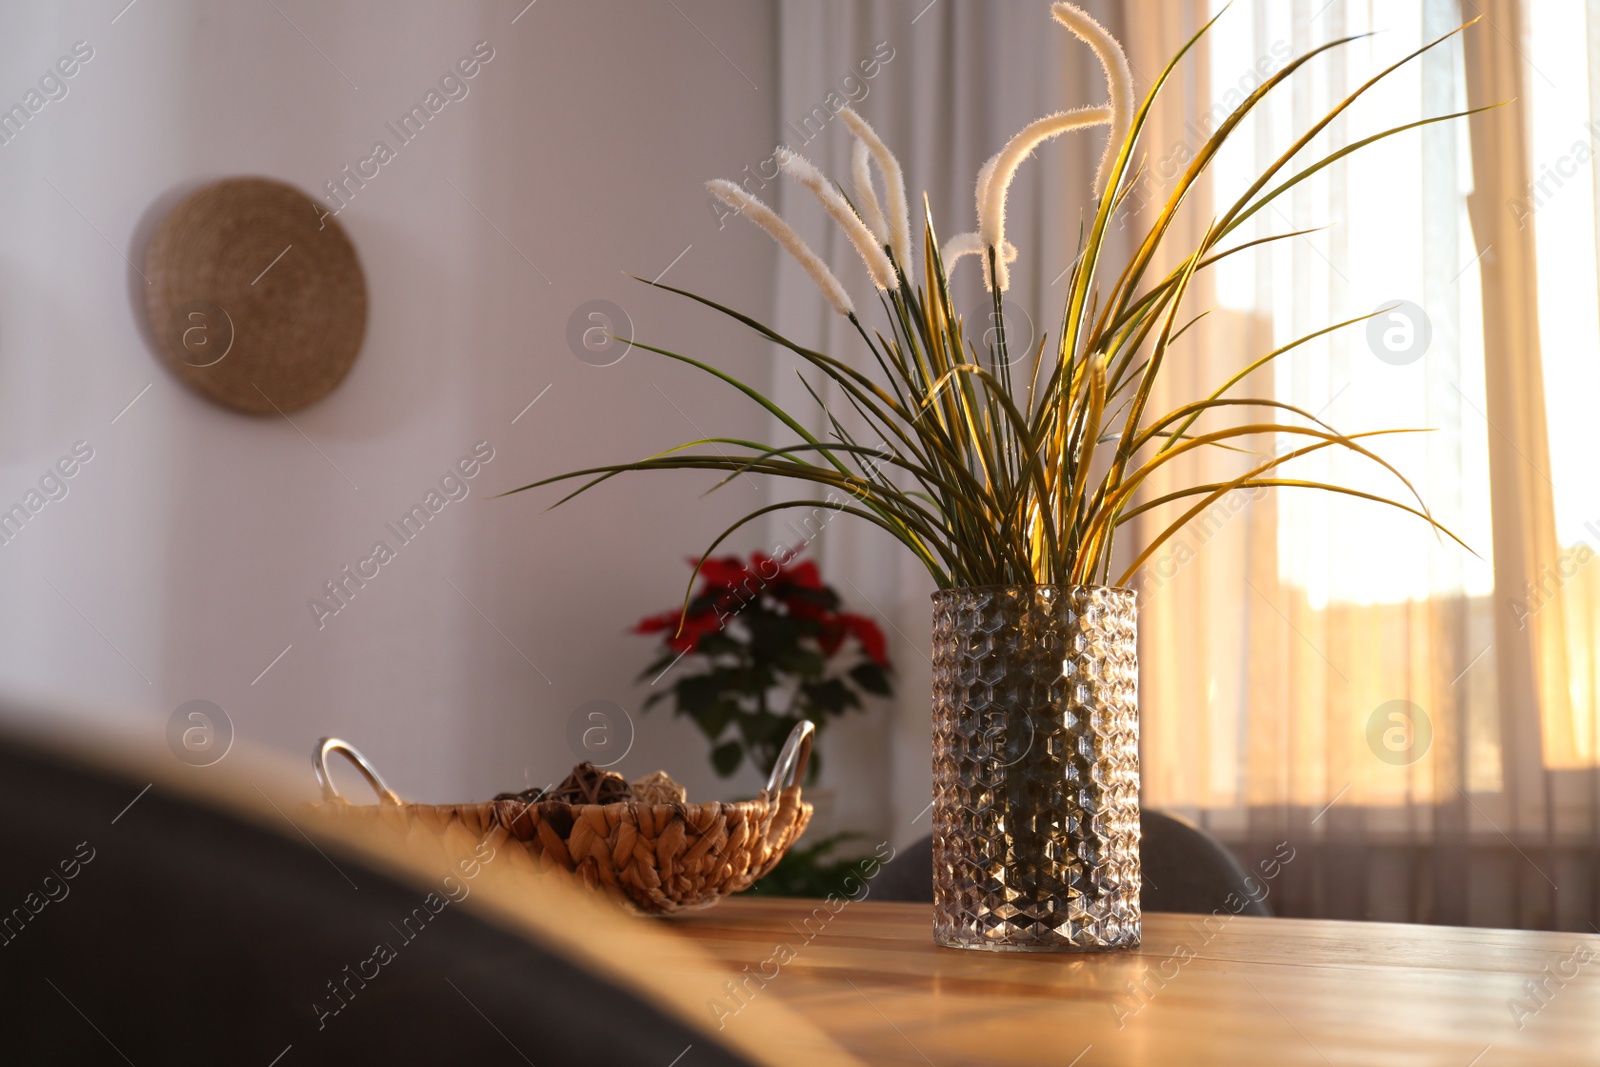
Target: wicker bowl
x,y
653,858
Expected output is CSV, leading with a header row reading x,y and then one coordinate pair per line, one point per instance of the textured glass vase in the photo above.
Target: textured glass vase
x,y
1035,768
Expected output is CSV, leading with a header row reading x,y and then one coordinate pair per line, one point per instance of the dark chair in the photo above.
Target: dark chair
x,y
1185,870
160,929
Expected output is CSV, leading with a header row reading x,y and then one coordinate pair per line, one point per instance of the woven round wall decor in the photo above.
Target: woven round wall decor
x,y
255,295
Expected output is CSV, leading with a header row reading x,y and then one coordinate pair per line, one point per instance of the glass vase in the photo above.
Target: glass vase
x,y
1035,768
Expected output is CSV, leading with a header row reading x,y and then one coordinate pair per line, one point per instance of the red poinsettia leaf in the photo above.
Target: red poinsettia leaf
x,y
694,627
650,624
808,609
866,631
804,574
724,571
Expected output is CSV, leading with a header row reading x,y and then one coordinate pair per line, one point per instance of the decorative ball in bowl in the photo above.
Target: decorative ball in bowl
x,y
641,843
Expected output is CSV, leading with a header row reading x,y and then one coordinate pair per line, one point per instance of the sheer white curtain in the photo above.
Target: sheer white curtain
x,y
1317,668
1556,207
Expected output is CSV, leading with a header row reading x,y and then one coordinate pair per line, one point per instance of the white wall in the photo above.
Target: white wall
x,y
185,552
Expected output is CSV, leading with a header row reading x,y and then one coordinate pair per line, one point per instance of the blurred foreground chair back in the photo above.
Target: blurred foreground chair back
x,y
161,913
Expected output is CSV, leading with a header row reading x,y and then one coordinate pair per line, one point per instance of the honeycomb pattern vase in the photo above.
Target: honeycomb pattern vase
x,y
1035,768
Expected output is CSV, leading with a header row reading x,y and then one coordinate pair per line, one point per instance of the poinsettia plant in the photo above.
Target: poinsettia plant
x,y
772,647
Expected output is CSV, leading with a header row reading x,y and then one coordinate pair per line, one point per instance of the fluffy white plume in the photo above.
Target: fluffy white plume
x,y
985,172
992,209
1119,78
861,176
784,234
897,213
970,244
872,254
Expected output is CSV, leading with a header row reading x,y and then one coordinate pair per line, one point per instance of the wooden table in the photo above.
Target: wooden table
x,y
1233,991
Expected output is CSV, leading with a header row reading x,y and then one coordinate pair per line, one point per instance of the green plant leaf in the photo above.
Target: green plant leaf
x,y
871,677
801,661
714,718
726,758
772,634
718,643
830,696
697,692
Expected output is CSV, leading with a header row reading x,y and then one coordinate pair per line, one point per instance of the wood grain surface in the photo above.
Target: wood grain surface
x,y
1200,990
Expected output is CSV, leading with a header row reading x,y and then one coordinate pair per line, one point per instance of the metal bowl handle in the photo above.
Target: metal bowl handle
x,y
792,760
348,751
